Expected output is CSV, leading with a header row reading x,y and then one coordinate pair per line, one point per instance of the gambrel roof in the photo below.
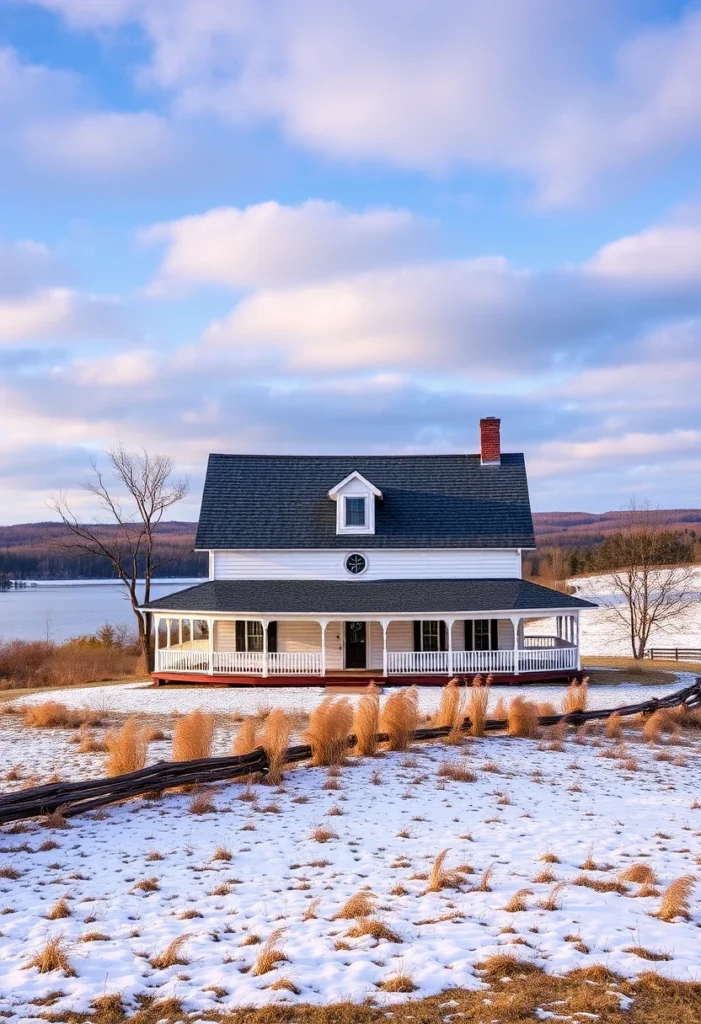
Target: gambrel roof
x,y
429,501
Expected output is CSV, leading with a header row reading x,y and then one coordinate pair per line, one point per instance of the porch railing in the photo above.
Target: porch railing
x,y
179,660
407,662
249,662
483,661
547,659
530,642
303,663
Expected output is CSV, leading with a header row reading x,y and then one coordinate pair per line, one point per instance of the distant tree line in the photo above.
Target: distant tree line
x,y
39,551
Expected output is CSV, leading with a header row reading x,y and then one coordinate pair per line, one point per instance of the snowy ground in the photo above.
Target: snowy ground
x,y
140,698
389,817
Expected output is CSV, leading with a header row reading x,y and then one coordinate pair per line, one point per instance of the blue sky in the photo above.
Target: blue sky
x,y
281,225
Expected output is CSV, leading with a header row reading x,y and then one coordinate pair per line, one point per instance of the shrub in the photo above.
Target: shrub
x,y
275,739
192,736
366,722
51,714
329,726
478,703
126,749
400,717
30,663
522,718
575,698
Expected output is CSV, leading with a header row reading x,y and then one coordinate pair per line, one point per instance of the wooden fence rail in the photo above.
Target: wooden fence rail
x,y
673,653
71,798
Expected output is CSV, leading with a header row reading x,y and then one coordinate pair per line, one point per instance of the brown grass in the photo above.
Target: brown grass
x,y
518,901
522,718
202,803
27,664
400,717
505,964
456,772
89,744
600,884
613,729
171,955
551,900
330,724
52,957
61,908
270,955
477,706
647,954
641,873
192,736
676,899
126,749
500,710
51,714
451,710
222,853
359,905
322,835
440,878
275,739
246,739
575,698
366,722
374,927
400,982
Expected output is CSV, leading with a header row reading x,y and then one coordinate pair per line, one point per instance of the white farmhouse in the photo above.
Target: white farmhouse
x,y
391,567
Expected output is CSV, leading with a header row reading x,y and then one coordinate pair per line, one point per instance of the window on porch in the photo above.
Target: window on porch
x,y
430,635
249,636
482,635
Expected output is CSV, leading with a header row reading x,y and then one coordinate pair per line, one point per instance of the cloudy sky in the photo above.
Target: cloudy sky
x,y
300,226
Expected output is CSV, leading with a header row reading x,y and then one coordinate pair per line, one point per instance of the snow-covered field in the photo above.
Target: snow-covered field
x,y
141,698
389,818
601,633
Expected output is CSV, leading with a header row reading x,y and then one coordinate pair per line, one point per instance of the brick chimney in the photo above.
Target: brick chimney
x,y
490,441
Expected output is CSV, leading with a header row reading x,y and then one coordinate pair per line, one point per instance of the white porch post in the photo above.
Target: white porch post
x,y
168,622
210,646
576,627
516,622
180,632
449,631
323,623
385,626
157,656
264,623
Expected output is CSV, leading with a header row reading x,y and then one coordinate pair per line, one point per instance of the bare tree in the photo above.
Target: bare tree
x,y
647,593
129,545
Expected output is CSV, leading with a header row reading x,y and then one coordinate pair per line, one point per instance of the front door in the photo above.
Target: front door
x,y
355,645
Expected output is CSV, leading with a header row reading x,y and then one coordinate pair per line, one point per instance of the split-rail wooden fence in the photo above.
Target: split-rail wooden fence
x,y
72,798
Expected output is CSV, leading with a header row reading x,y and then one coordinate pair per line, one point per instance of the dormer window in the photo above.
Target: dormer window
x,y
355,511
355,499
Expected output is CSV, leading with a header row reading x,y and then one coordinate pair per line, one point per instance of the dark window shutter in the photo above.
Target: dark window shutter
x,y
494,634
442,637
417,636
272,637
469,635
240,635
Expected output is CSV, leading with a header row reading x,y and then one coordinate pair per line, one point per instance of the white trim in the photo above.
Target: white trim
x,y
355,476
455,613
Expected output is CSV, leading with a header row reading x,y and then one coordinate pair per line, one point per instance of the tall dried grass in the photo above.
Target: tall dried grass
x,y
275,739
451,710
30,663
330,724
575,698
192,736
441,877
478,704
366,722
676,899
246,739
522,718
51,714
400,717
126,748
52,957
613,728
270,955
501,711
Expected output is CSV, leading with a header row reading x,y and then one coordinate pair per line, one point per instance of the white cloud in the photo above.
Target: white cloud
x,y
51,314
565,93
103,142
663,255
124,369
270,244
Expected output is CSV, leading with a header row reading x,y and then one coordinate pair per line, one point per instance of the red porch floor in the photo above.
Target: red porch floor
x,y
351,679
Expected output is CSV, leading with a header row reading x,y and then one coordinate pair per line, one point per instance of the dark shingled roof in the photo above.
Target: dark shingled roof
x,y
429,501
354,597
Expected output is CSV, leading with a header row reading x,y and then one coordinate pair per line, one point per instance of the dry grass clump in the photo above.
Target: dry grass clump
x,y
613,729
522,718
366,722
246,739
270,955
192,736
61,908
451,710
89,744
505,964
322,835
600,884
275,739
221,853
575,698
52,957
171,955
456,772
477,706
400,717
330,724
202,803
500,710
647,954
51,714
126,749
400,982
441,878
518,901
359,905
676,899
640,873
374,927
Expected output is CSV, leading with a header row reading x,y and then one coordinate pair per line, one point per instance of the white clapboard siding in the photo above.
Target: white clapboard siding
x,y
224,636
407,563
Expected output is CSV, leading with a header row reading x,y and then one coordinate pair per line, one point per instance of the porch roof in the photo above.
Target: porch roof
x,y
376,597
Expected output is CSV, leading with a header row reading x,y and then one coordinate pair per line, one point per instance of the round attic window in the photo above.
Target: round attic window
x,y
356,564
